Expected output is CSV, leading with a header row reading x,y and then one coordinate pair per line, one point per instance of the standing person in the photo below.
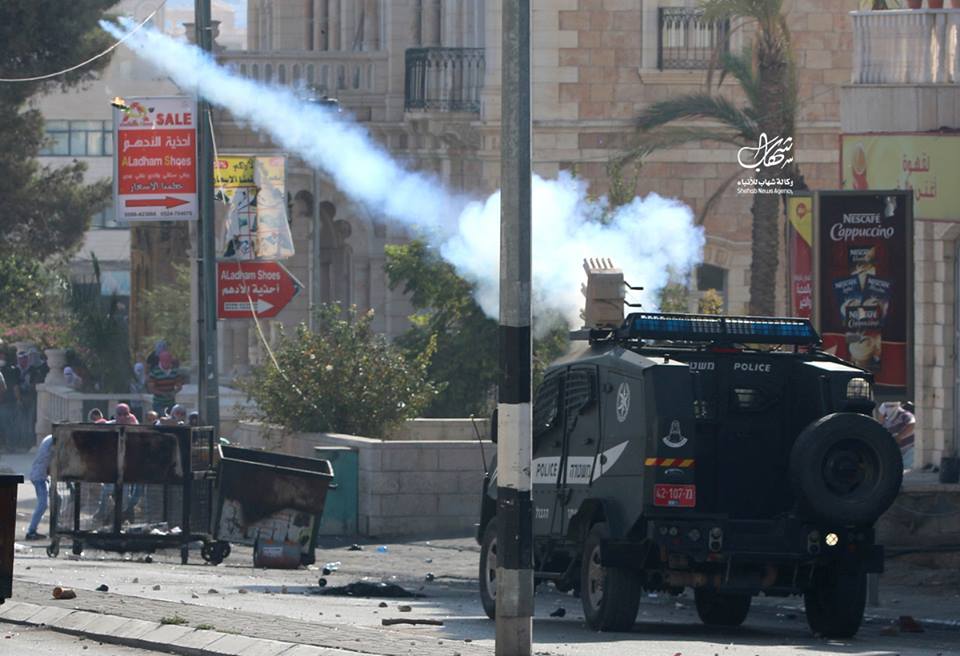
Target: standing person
x,y
138,387
153,359
38,476
29,376
95,416
898,418
164,382
8,401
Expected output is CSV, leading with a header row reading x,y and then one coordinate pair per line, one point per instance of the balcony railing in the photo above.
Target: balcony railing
x,y
444,79
686,40
914,46
331,72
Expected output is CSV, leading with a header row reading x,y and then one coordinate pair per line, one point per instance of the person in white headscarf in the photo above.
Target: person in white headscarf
x,y
73,380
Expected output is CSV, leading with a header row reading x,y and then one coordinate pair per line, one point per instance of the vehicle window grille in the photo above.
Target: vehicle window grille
x,y
546,405
746,398
703,409
579,390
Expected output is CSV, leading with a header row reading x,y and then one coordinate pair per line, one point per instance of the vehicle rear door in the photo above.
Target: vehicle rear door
x,y
581,440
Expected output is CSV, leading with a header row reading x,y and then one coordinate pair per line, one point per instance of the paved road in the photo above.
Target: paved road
x,y
30,641
285,605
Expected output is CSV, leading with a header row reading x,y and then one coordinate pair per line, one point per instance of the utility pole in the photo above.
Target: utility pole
x,y
208,383
514,424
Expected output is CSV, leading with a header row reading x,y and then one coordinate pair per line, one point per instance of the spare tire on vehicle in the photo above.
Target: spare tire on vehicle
x,y
846,468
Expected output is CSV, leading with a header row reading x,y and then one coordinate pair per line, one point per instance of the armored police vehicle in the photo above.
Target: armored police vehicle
x,y
729,455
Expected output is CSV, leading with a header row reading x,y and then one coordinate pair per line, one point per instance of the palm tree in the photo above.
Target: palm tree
x,y
766,77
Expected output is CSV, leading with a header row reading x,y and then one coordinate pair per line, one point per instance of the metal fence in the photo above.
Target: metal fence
x,y
444,79
687,41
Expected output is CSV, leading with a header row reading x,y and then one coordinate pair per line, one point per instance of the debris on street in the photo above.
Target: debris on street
x,y
369,589
391,622
64,593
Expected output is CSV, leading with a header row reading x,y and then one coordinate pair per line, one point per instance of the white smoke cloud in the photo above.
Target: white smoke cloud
x,y
647,238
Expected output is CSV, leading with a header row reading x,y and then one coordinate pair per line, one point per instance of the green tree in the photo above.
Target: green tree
x,y
766,77
45,210
167,310
711,302
31,290
100,333
466,365
342,378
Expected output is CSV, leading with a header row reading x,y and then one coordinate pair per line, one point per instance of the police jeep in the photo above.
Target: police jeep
x,y
685,451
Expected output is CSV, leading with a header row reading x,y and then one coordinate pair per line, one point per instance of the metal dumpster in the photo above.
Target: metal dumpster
x,y
8,530
131,488
271,498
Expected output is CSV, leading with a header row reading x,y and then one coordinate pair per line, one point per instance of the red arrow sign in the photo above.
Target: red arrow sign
x,y
167,202
248,289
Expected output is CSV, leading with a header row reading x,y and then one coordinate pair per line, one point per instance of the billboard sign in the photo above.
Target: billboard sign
x,y
251,208
253,289
864,246
155,159
800,244
926,165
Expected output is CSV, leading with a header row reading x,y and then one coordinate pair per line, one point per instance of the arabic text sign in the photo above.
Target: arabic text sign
x,y
926,165
156,160
248,289
251,209
864,250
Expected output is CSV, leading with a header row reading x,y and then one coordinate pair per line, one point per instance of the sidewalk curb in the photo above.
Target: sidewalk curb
x,y
142,634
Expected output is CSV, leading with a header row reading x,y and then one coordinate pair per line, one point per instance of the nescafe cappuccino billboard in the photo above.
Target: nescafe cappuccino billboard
x,y
864,246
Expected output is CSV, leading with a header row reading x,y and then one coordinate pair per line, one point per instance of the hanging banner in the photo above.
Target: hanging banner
x,y
251,208
864,245
155,159
926,165
800,244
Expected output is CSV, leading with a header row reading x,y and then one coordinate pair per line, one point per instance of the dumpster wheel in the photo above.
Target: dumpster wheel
x,y
215,552
53,549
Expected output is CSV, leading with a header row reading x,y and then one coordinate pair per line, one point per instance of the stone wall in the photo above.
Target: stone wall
x,y
405,487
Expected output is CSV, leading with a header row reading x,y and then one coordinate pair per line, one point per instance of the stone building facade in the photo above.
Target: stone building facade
x,y
424,77
906,86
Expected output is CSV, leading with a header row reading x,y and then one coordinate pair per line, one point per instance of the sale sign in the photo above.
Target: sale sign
x,y
864,254
155,159
253,289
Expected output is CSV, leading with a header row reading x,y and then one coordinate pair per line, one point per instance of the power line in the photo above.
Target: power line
x,y
48,76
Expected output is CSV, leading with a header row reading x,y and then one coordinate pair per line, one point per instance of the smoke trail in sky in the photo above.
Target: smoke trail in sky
x,y
645,238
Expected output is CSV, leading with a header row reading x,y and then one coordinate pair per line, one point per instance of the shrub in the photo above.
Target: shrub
x,y
343,377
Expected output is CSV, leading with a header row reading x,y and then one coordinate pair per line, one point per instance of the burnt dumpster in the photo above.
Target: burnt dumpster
x,y
131,488
272,501
8,527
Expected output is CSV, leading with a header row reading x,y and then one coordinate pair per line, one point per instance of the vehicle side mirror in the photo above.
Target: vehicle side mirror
x,y
493,425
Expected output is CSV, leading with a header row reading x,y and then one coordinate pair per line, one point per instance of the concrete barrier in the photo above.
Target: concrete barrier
x,y
406,487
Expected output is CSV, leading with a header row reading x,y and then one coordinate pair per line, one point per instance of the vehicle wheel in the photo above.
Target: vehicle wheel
x,y
488,569
835,603
610,595
719,609
846,468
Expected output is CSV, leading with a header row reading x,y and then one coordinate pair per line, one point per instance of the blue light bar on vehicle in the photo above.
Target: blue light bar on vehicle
x,y
719,329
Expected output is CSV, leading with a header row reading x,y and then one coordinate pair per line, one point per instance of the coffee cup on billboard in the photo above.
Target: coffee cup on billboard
x,y
864,349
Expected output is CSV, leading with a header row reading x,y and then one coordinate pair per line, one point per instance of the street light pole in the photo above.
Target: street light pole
x,y
208,383
514,423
